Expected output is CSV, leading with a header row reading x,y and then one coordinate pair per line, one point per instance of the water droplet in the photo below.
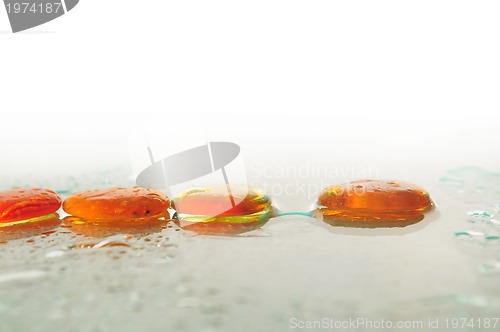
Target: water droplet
x,y
470,234
481,240
480,214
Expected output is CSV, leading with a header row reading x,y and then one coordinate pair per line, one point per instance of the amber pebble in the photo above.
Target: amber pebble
x,y
372,203
117,204
24,204
215,210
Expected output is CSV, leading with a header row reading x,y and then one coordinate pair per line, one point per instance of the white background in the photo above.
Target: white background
x,y
404,86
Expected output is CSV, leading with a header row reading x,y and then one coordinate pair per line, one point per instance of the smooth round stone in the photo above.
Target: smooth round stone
x,y
213,210
373,203
216,201
117,204
19,205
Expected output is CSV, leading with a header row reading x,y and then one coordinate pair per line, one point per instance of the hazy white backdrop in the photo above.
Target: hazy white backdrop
x,y
410,88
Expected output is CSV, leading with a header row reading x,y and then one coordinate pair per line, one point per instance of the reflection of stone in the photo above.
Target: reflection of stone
x,y
369,220
142,226
224,226
34,227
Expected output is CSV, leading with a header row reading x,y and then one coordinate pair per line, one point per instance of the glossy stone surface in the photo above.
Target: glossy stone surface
x,y
213,210
117,204
374,203
216,201
24,204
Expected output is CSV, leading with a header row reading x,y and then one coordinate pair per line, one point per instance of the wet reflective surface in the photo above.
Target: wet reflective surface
x,y
159,276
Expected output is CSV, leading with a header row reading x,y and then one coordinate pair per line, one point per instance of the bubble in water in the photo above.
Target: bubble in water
x,y
479,213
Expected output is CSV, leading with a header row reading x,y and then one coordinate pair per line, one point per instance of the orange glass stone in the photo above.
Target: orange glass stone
x,y
24,204
373,203
216,201
216,210
117,204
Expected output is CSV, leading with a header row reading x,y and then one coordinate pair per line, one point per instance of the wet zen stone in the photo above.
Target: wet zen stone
x,y
26,204
216,210
373,203
117,204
